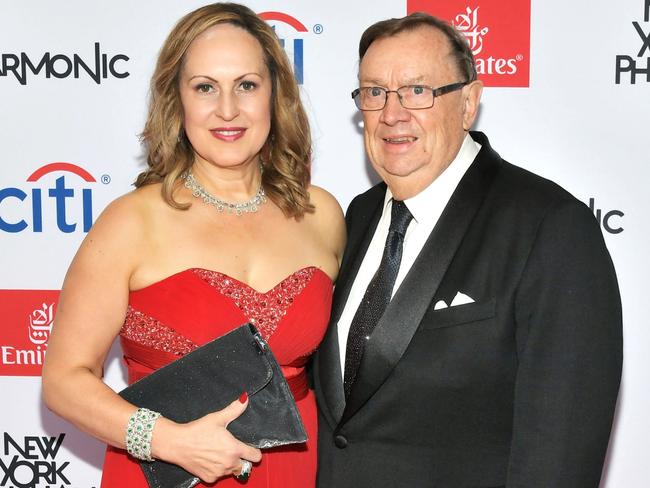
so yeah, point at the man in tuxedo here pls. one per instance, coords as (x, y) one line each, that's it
(475, 337)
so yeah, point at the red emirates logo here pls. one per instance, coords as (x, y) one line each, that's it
(498, 34)
(27, 317)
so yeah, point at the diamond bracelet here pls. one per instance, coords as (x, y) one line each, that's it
(139, 432)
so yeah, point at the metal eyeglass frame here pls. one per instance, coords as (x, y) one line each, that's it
(436, 92)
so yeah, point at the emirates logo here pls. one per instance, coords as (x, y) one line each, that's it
(467, 23)
(28, 316)
(497, 32)
(40, 324)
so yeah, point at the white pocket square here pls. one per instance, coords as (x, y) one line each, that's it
(440, 304)
(459, 299)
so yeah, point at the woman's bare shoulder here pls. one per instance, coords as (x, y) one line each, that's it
(324, 202)
(328, 218)
(125, 222)
(132, 208)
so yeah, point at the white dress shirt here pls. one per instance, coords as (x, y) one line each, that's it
(426, 208)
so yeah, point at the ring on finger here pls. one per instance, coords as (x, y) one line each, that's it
(245, 472)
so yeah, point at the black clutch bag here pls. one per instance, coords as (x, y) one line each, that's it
(210, 378)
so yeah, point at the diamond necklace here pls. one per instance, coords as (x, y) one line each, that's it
(249, 206)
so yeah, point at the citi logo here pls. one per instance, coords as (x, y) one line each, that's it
(297, 50)
(100, 67)
(627, 64)
(23, 209)
(468, 24)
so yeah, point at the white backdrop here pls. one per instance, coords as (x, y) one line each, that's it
(573, 124)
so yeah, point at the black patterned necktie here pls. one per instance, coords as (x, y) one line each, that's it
(377, 295)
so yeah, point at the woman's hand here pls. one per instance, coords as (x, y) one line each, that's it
(204, 447)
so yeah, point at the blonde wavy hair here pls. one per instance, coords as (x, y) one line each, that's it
(287, 151)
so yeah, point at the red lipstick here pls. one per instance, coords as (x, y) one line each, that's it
(228, 134)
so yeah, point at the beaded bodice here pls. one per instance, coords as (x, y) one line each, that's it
(186, 310)
(264, 310)
(145, 330)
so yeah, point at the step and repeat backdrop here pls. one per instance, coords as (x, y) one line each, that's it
(567, 96)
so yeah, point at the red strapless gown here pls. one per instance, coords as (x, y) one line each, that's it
(174, 316)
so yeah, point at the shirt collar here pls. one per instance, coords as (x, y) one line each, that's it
(440, 190)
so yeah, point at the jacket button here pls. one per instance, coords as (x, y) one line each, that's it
(340, 441)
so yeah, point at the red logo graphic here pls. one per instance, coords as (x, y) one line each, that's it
(69, 167)
(286, 18)
(498, 33)
(26, 326)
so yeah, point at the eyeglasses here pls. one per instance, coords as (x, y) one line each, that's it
(413, 97)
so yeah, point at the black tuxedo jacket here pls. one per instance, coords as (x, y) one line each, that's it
(517, 389)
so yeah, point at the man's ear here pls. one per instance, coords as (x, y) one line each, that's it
(471, 101)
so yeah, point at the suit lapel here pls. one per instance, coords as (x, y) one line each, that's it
(361, 227)
(399, 323)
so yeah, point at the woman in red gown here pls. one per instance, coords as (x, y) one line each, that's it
(223, 228)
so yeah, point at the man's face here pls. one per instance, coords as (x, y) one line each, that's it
(411, 148)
